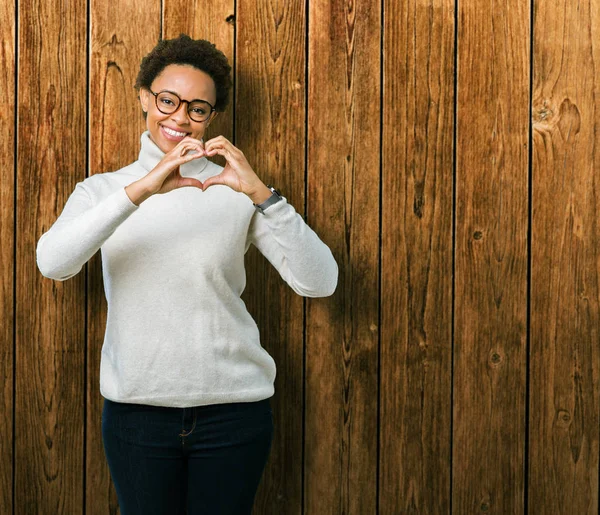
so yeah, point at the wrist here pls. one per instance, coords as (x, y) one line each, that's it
(261, 194)
(138, 192)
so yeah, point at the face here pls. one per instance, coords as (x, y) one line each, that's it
(190, 84)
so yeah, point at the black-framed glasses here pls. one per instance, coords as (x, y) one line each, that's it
(167, 102)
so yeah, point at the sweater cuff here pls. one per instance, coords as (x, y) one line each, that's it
(123, 203)
(275, 210)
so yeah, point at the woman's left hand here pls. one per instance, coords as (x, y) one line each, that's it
(237, 173)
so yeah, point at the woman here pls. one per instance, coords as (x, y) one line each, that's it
(187, 421)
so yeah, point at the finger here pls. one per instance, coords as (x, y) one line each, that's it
(188, 181)
(211, 181)
(218, 139)
(189, 139)
(187, 142)
(221, 151)
(186, 149)
(222, 143)
(190, 157)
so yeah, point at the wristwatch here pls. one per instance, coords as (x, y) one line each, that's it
(275, 197)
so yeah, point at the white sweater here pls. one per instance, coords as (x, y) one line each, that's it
(177, 332)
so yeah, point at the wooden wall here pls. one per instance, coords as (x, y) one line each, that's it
(447, 151)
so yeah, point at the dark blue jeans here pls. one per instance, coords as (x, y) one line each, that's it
(201, 460)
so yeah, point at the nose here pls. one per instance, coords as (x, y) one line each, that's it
(181, 114)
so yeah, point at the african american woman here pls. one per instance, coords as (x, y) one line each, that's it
(187, 424)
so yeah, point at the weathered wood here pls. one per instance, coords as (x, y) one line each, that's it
(343, 207)
(116, 124)
(491, 257)
(416, 261)
(269, 129)
(50, 332)
(213, 20)
(7, 249)
(565, 257)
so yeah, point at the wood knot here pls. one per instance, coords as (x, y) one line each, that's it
(563, 418)
(495, 358)
(569, 120)
(543, 113)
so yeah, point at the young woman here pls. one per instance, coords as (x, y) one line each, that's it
(187, 422)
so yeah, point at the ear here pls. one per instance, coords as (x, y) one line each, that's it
(144, 100)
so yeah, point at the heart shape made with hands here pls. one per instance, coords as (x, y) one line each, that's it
(185, 151)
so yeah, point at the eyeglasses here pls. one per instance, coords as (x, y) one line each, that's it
(168, 102)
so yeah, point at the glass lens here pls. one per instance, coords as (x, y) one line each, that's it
(166, 102)
(199, 111)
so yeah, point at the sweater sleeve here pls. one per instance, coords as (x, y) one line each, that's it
(294, 249)
(80, 231)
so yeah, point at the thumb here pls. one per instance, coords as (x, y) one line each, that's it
(215, 179)
(188, 181)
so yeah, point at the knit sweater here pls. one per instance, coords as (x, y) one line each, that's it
(177, 331)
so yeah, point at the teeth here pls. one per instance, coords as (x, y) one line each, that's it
(174, 133)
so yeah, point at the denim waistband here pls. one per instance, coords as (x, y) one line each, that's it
(227, 406)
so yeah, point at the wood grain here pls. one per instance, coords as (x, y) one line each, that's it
(269, 129)
(565, 257)
(213, 20)
(7, 249)
(343, 207)
(366, 374)
(488, 441)
(416, 261)
(50, 332)
(116, 124)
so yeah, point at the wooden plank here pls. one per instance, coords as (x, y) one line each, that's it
(213, 20)
(491, 257)
(50, 345)
(269, 129)
(343, 207)
(7, 220)
(416, 261)
(565, 260)
(116, 124)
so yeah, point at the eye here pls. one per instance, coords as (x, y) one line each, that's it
(199, 110)
(166, 101)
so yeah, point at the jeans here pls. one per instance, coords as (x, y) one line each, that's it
(200, 460)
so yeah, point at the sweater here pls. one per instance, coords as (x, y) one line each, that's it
(177, 331)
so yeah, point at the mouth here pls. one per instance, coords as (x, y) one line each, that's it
(172, 134)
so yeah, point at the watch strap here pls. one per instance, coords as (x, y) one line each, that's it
(275, 197)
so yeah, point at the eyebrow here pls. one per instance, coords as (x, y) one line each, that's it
(188, 101)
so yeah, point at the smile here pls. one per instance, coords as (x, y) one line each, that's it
(174, 133)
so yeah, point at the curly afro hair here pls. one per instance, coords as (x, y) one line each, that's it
(199, 53)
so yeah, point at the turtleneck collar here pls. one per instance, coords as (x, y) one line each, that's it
(150, 155)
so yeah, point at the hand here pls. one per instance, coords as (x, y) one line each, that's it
(165, 176)
(237, 173)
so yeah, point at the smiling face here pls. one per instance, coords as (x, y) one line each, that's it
(166, 130)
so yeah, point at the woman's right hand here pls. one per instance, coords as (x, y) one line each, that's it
(165, 176)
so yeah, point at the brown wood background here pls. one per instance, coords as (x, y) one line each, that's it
(448, 152)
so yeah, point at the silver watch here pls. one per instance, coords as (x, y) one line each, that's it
(275, 197)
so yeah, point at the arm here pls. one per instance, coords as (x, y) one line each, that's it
(80, 231)
(279, 233)
(295, 250)
(83, 227)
